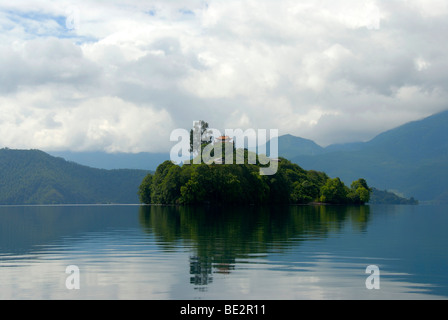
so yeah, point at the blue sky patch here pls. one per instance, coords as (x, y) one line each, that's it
(151, 12)
(30, 20)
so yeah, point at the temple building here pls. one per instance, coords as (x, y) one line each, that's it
(223, 139)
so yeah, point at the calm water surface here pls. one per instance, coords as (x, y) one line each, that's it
(153, 252)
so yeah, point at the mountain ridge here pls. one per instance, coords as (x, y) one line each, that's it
(35, 177)
(411, 158)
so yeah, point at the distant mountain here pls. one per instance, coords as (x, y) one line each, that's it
(35, 177)
(290, 146)
(416, 141)
(411, 159)
(104, 160)
(386, 197)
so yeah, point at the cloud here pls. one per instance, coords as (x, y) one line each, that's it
(106, 123)
(45, 61)
(131, 72)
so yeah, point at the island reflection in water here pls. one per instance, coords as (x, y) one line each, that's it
(163, 252)
(221, 236)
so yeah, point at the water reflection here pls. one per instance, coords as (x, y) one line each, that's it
(154, 252)
(23, 229)
(219, 236)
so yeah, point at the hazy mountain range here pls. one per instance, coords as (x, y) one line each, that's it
(411, 160)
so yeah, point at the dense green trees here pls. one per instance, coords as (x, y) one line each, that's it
(360, 191)
(144, 191)
(242, 184)
(334, 191)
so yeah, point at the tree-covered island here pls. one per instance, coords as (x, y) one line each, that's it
(211, 183)
(226, 175)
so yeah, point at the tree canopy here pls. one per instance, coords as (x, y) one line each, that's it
(242, 184)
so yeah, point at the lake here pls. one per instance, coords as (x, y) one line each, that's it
(238, 253)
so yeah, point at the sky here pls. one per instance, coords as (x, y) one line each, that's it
(120, 76)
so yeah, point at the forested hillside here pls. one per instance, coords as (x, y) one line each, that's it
(34, 177)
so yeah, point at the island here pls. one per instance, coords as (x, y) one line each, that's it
(241, 184)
